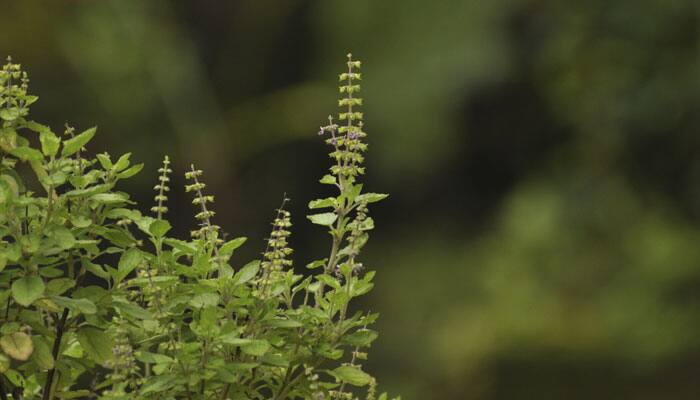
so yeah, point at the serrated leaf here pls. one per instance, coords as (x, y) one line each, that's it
(323, 203)
(9, 114)
(256, 347)
(129, 260)
(122, 162)
(159, 228)
(362, 338)
(17, 345)
(92, 190)
(57, 287)
(74, 144)
(325, 219)
(96, 343)
(42, 353)
(159, 383)
(204, 300)
(283, 323)
(74, 394)
(105, 161)
(233, 339)
(130, 172)
(27, 289)
(248, 272)
(232, 245)
(83, 306)
(132, 310)
(110, 198)
(316, 264)
(63, 237)
(49, 141)
(352, 375)
(4, 363)
(371, 197)
(26, 153)
(328, 180)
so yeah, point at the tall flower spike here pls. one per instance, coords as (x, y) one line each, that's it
(162, 188)
(207, 230)
(346, 138)
(275, 260)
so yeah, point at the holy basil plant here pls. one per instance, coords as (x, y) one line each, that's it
(97, 300)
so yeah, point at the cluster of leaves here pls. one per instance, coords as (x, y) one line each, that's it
(98, 301)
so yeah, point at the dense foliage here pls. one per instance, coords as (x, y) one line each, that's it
(98, 301)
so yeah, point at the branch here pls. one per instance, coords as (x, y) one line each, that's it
(60, 326)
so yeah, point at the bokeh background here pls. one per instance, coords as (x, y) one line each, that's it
(542, 238)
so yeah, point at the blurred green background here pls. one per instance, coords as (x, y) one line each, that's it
(542, 240)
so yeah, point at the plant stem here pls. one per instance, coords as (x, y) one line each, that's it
(3, 395)
(60, 326)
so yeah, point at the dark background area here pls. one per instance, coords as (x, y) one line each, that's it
(542, 238)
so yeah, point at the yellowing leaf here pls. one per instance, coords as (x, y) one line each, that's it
(17, 345)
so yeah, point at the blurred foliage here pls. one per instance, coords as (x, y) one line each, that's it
(541, 155)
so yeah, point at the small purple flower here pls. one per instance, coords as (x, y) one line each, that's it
(353, 135)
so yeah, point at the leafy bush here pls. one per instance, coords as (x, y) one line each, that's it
(97, 301)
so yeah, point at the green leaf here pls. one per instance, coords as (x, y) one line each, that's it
(129, 260)
(362, 338)
(80, 221)
(42, 353)
(9, 114)
(256, 347)
(231, 245)
(83, 306)
(63, 237)
(73, 145)
(233, 339)
(122, 162)
(159, 228)
(95, 269)
(325, 219)
(27, 289)
(353, 191)
(74, 394)
(110, 198)
(328, 280)
(283, 323)
(105, 161)
(276, 360)
(49, 141)
(248, 272)
(159, 383)
(17, 345)
(328, 180)
(352, 375)
(204, 300)
(57, 287)
(370, 197)
(323, 203)
(132, 310)
(96, 343)
(153, 358)
(25, 153)
(4, 363)
(101, 188)
(316, 264)
(130, 172)
(181, 245)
